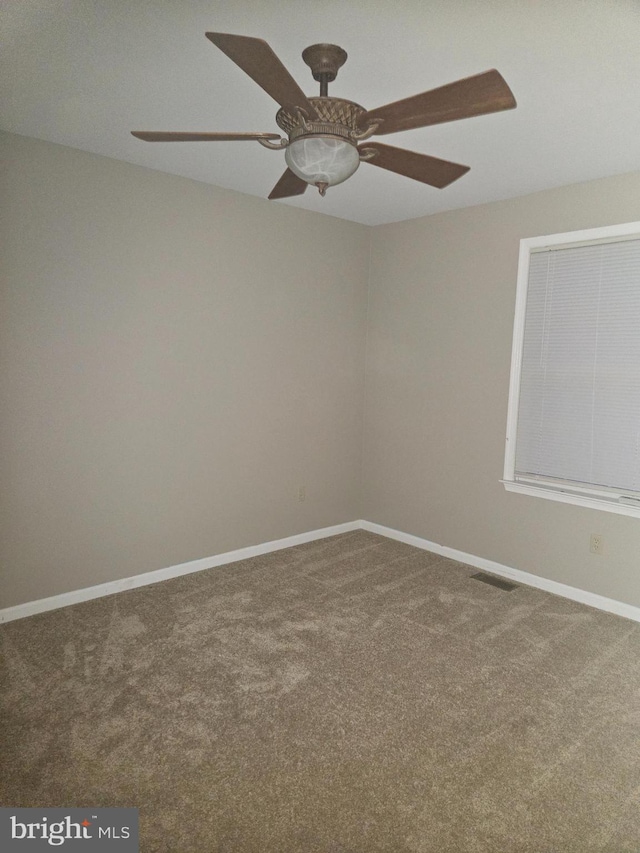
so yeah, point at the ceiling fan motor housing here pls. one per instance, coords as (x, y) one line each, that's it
(337, 118)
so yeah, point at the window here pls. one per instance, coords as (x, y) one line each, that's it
(573, 431)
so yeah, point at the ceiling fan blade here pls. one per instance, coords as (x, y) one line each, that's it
(473, 96)
(177, 136)
(288, 185)
(256, 59)
(420, 167)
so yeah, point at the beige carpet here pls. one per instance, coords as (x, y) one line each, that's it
(345, 696)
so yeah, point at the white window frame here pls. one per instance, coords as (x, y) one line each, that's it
(610, 500)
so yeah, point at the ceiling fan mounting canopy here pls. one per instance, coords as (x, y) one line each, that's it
(324, 60)
(323, 134)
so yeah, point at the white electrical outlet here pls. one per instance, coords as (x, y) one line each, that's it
(302, 493)
(595, 543)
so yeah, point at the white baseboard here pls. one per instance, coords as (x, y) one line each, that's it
(30, 608)
(591, 598)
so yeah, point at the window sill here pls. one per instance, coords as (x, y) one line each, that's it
(569, 497)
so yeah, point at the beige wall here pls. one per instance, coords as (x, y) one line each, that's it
(176, 361)
(442, 297)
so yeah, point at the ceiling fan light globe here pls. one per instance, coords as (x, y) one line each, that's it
(322, 159)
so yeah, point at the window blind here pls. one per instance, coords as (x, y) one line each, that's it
(579, 404)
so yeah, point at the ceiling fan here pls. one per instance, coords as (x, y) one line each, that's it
(324, 135)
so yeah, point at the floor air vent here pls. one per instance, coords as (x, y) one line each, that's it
(507, 586)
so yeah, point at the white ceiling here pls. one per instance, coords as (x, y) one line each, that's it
(85, 72)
